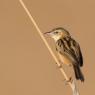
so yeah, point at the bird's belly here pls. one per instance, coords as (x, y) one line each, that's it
(65, 59)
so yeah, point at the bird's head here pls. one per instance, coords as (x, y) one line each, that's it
(58, 33)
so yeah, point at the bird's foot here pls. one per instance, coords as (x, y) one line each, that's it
(70, 80)
(59, 66)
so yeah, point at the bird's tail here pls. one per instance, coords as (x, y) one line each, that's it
(78, 73)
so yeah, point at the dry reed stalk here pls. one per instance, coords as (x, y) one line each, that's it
(72, 85)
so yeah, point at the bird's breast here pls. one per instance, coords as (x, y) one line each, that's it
(64, 59)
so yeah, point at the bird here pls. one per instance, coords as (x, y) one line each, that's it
(68, 50)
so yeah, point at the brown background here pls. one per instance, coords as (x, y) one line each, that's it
(26, 66)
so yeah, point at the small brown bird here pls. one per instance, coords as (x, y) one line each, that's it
(68, 50)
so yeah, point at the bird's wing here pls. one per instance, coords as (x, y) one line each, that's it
(71, 48)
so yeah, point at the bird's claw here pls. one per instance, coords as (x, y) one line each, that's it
(70, 80)
(59, 66)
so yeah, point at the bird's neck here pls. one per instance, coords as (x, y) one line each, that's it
(56, 38)
(61, 37)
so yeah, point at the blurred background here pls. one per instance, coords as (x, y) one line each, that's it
(26, 66)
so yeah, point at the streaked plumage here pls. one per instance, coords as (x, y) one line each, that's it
(68, 50)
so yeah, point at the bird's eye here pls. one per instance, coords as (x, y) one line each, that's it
(56, 32)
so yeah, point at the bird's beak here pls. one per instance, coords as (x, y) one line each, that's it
(47, 32)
